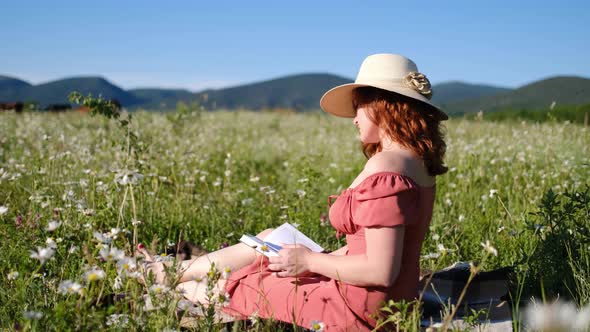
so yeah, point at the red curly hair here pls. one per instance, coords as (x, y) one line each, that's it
(408, 122)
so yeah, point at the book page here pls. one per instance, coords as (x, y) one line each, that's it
(288, 234)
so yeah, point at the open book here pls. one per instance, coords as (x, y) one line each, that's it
(284, 234)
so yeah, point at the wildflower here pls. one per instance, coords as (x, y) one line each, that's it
(316, 326)
(223, 299)
(126, 264)
(114, 233)
(247, 201)
(159, 289)
(461, 218)
(18, 221)
(323, 219)
(52, 225)
(3, 210)
(227, 173)
(72, 249)
(51, 243)
(556, 316)
(87, 212)
(104, 238)
(118, 283)
(128, 177)
(69, 287)
(33, 314)
(226, 272)
(119, 320)
(296, 225)
(112, 253)
(254, 179)
(254, 318)
(303, 180)
(42, 254)
(441, 248)
(488, 247)
(435, 237)
(493, 192)
(94, 274)
(301, 193)
(12, 275)
(433, 255)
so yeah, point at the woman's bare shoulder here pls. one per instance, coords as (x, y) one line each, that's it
(402, 163)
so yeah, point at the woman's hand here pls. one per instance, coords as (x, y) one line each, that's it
(292, 261)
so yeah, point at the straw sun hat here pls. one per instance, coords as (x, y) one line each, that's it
(391, 72)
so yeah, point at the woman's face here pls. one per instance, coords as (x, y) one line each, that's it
(368, 131)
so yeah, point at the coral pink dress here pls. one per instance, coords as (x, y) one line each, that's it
(382, 199)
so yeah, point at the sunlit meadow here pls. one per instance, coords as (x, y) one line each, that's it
(74, 201)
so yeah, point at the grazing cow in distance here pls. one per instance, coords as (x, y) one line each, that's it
(58, 107)
(16, 106)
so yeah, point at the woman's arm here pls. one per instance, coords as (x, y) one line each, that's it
(378, 267)
(340, 251)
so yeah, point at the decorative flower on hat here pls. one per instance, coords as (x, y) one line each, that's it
(419, 82)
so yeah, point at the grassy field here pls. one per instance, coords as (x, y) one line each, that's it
(70, 183)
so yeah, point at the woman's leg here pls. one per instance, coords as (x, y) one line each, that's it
(196, 291)
(233, 257)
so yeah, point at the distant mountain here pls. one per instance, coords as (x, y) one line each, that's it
(153, 98)
(58, 91)
(453, 91)
(13, 89)
(564, 90)
(299, 92)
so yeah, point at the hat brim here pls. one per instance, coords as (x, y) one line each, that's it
(338, 100)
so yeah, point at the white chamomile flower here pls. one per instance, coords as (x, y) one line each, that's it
(488, 247)
(316, 326)
(112, 253)
(52, 225)
(94, 274)
(159, 289)
(42, 254)
(128, 177)
(442, 249)
(104, 238)
(50, 242)
(226, 272)
(67, 287)
(493, 192)
(33, 315)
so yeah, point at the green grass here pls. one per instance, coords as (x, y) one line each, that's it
(210, 177)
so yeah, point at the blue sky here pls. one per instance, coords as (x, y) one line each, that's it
(197, 44)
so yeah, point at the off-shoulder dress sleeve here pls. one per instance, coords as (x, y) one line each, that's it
(385, 200)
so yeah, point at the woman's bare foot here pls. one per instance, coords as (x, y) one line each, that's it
(153, 267)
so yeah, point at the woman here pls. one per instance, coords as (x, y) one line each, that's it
(384, 214)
